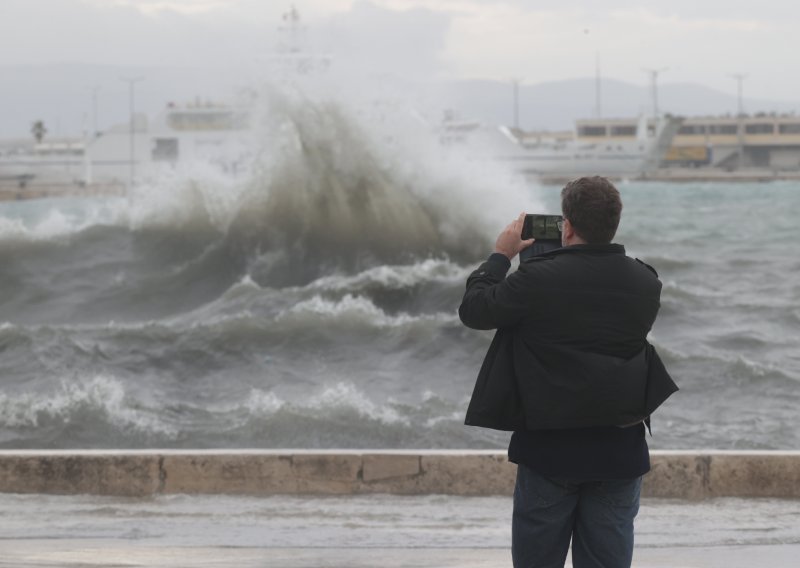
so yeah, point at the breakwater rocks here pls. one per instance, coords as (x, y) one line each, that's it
(674, 474)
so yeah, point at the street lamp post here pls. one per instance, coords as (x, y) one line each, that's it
(95, 90)
(515, 84)
(131, 83)
(597, 86)
(740, 77)
(89, 138)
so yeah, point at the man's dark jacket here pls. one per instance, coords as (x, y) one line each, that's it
(571, 348)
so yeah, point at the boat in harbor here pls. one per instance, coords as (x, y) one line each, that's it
(542, 155)
(215, 134)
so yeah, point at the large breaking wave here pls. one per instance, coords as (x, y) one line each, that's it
(312, 302)
(324, 196)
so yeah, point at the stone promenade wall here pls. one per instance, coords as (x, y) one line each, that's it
(684, 475)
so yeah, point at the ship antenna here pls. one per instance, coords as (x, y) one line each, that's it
(654, 87)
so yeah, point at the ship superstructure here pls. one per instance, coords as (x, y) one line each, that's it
(543, 155)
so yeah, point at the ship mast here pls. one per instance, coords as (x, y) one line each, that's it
(292, 54)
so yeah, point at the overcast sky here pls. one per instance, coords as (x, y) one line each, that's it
(697, 41)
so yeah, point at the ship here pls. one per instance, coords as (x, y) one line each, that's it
(545, 155)
(212, 133)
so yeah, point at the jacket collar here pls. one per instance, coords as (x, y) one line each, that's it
(610, 248)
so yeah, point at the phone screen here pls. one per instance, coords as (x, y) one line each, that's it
(541, 227)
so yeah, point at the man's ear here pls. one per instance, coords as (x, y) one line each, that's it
(568, 231)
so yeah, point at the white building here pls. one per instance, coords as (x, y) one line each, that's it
(127, 153)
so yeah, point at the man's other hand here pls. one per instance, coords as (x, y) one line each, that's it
(510, 242)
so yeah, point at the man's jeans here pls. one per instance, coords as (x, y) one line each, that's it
(598, 515)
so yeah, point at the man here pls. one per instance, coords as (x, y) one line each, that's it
(570, 371)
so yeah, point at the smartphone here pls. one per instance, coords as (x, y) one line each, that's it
(543, 228)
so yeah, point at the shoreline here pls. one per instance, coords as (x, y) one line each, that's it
(31, 191)
(685, 176)
(56, 190)
(690, 475)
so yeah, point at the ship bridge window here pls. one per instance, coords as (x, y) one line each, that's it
(623, 131)
(722, 129)
(222, 120)
(165, 150)
(592, 131)
(762, 128)
(789, 128)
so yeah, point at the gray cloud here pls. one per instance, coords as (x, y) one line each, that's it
(366, 35)
(118, 34)
(377, 39)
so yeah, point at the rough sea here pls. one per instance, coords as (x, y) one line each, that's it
(312, 303)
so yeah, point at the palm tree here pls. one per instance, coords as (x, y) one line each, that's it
(38, 130)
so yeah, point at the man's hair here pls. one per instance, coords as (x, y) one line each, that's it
(593, 207)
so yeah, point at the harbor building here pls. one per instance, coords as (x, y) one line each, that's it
(764, 141)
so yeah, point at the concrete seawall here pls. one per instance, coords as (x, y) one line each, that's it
(674, 474)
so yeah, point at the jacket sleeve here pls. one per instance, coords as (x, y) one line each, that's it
(491, 300)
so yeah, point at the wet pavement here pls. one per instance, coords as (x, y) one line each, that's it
(363, 531)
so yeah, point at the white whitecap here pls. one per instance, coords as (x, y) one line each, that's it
(394, 277)
(345, 395)
(104, 393)
(260, 403)
(357, 309)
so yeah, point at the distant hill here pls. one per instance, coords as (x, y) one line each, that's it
(555, 105)
(61, 95)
